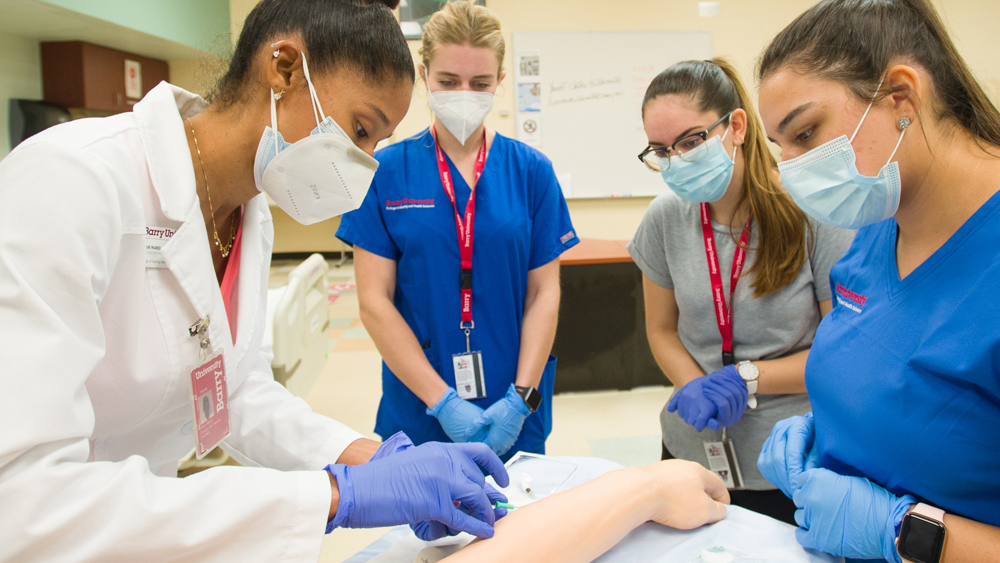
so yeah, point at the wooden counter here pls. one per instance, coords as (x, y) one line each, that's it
(601, 341)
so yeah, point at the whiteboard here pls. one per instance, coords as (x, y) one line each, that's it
(578, 99)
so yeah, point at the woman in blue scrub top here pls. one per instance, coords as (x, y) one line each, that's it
(883, 127)
(410, 269)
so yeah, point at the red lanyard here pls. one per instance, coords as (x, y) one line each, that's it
(723, 314)
(466, 229)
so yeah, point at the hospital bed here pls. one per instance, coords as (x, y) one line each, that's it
(297, 322)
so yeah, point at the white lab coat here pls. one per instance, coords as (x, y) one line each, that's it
(95, 406)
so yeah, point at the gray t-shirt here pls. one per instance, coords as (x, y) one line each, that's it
(669, 248)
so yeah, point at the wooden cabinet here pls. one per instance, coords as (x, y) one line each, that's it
(76, 74)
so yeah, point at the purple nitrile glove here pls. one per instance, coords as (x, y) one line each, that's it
(719, 397)
(431, 530)
(420, 484)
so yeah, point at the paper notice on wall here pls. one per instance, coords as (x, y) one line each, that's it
(565, 182)
(529, 128)
(133, 79)
(528, 66)
(529, 96)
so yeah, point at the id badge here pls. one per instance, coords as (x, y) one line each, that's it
(210, 399)
(470, 383)
(722, 461)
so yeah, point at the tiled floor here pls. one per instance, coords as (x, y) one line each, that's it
(620, 426)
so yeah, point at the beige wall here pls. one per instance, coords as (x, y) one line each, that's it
(20, 77)
(740, 33)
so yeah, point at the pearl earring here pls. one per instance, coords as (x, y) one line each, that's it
(279, 94)
(903, 122)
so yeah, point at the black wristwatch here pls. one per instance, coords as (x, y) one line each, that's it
(530, 396)
(922, 534)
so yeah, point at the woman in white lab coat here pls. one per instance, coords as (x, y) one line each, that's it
(136, 247)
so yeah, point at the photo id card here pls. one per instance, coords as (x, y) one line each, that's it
(722, 461)
(470, 383)
(211, 404)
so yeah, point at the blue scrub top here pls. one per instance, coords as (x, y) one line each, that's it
(522, 222)
(904, 375)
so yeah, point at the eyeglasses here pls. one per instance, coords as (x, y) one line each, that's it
(658, 159)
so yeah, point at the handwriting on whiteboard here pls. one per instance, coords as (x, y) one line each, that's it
(592, 89)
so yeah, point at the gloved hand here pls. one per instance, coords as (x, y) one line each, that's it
(396, 443)
(430, 531)
(789, 451)
(505, 419)
(459, 418)
(716, 400)
(848, 516)
(421, 484)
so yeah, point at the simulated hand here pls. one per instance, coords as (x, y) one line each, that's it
(505, 419)
(715, 401)
(426, 483)
(847, 516)
(691, 495)
(459, 418)
(789, 451)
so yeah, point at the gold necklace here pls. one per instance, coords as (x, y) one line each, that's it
(223, 248)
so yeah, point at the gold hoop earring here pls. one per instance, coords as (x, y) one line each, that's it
(279, 95)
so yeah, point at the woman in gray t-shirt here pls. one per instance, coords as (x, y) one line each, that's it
(736, 359)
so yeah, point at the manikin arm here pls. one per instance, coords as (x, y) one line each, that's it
(582, 523)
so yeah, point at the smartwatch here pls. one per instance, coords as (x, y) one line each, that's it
(921, 537)
(530, 396)
(749, 373)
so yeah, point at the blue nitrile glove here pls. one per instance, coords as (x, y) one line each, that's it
(421, 484)
(429, 531)
(789, 451)
(848, 516)
(459, 418)
(505, 419)
(716, 397)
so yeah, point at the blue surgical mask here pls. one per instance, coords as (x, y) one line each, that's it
(826, 184)
(702, 175)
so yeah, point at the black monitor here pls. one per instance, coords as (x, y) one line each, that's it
(28, 117)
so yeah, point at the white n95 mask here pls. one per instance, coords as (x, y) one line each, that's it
(826, 184)
(316, 178)
(460, 111)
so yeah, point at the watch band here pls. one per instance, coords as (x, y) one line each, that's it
(929, 511)
(750, 383)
